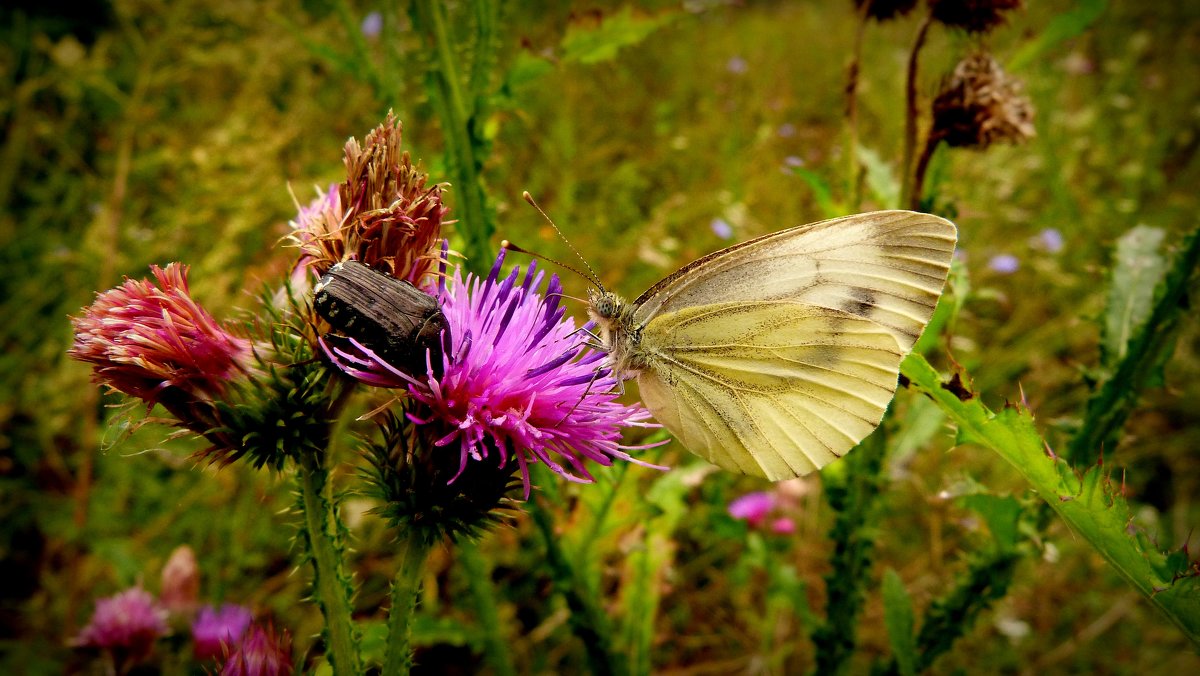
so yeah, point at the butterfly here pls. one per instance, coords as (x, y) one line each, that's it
(778, 355)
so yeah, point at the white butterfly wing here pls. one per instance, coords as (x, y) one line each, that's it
(887, 266)
(776, 356)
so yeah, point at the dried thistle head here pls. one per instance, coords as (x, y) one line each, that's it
(981, 105)
(973, 16)
(885, 10)
(383, 215)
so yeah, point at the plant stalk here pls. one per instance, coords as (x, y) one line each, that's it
(407, 583)
(911, 114)
(330, 588)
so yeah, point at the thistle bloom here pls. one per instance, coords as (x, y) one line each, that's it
(516, 381)
(154, 342)
(218, 632)
(127, 623)
(981, 105)
(260, 654)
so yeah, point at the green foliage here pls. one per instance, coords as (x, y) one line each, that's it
(1142, 319)
(591, 43)
(898, 618)
(1089, 502)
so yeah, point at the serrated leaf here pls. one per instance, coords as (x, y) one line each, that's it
(589, 42)
(1138, 268)
(881, 180)
(1090, 504)
(898, 618)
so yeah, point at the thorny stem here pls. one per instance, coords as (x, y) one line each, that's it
(910, 111)
(412, 555)
(458, 117)
(328, 573)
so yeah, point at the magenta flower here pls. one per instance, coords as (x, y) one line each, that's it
(753, 507)
(218, 632)
(147, 340)
(516, 381)
(127, 624)
(260, 654)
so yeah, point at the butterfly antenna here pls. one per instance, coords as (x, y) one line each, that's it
(590, 275)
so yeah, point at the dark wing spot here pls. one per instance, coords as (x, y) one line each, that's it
(860, 303)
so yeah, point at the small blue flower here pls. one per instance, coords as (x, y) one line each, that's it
(737, 65)
(1005, 264)
(721, 228)
(372, 25)
(786, 130)
(1049, 240)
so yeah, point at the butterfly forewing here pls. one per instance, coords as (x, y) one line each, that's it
(886, 266)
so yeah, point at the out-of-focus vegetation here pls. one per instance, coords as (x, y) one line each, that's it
(149, 132)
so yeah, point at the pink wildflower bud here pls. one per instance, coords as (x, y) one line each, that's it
(752, 507)
(260, 654)
(181, 582)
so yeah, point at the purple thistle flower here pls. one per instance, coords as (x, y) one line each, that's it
(260, 654)
(516, 380)
(218, 632)
(752, 507)
(127, 623)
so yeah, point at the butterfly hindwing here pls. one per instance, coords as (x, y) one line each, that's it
(768, 388)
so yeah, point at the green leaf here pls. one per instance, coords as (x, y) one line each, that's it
(881, 180)
(898, 618)
(1000, 512)
(1151, 343)
(830, 208)
(1089, 504)
(589, 42)
(1139, 268)
(1061, 28)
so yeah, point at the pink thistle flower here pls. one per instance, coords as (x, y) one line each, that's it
(515, 381)
(127, 624)
(752, 507)
(149, 341)
(260, 654)
(218, 632)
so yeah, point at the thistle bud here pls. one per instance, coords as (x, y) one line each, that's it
(981, 105)
(181, 582)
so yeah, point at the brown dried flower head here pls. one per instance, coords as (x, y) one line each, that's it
(973, 16)
(981, 105)
(885, 10)
(383, 215)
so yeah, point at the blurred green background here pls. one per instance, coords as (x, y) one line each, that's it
(141, 132)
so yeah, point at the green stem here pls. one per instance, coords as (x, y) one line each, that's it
(412, 555)
(587, 618)
(479, 581)
(853, 173)
(330, 584)
(459, 118)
